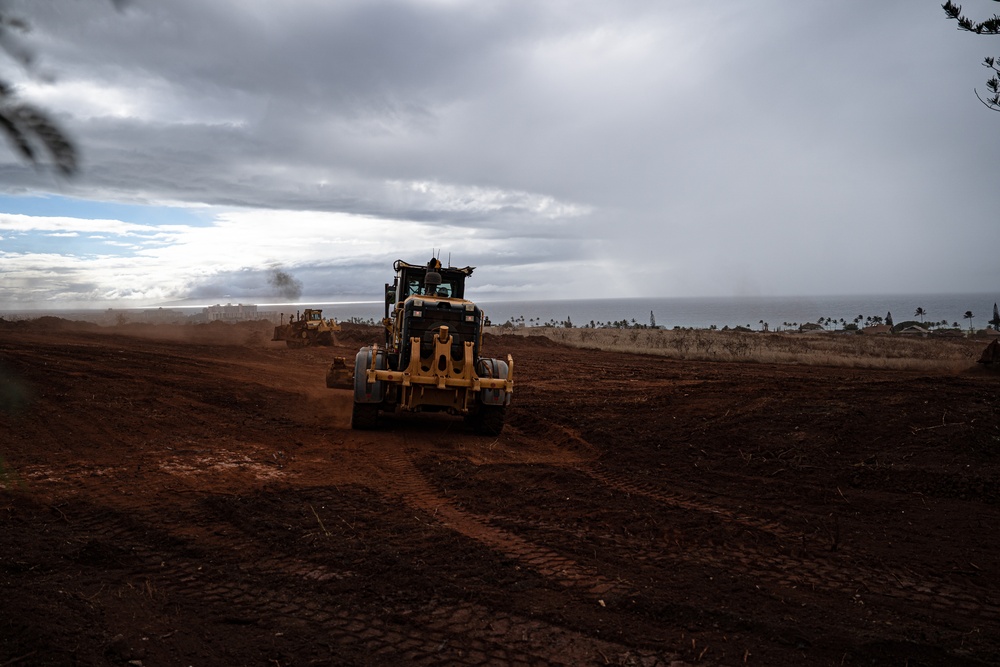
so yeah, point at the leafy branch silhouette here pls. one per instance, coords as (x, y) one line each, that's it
(30, 130)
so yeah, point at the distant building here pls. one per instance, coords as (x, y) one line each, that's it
(238, 313)
(877, 329)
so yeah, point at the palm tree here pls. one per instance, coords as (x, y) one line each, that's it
(968, 315)
(920, 312)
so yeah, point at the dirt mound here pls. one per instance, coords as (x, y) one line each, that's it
(515, 340)
(47, 323)
(253, 333)
(360, 334)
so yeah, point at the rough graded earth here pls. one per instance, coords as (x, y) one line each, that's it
(194, 496)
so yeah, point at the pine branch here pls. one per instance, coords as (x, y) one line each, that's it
(993, 84)
(990, 26)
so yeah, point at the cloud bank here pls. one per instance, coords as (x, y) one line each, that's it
(568, 150)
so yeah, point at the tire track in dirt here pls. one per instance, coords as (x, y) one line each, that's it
(446, 633)
(818, 571)
(647, 489)
(627, 485)
(459, 633)
(790, 572)
(419, 493)
(787, 571)
(681, 501)
(449, 632)
(857, 582)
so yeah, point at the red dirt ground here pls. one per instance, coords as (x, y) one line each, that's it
(194, 496)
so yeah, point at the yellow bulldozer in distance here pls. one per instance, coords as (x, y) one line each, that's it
(432, 358)
(305, 329)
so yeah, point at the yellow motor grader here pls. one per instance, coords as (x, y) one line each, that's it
(432, 357)
(305, 329)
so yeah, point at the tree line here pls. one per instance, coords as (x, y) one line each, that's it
(842, 323)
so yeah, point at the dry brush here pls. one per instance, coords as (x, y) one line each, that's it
(818, 349)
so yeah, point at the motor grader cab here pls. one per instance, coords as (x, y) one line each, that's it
(305, 329)
(432, 357)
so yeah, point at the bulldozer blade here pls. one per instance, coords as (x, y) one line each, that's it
(339, 375)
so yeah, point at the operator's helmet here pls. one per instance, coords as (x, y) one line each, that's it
(432, 280)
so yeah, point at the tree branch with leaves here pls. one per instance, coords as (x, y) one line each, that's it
(30, 130)
(990, 26)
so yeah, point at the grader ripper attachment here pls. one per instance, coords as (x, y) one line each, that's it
(432, 357)
(306, 329)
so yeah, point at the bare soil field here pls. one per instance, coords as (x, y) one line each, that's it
(195, 496)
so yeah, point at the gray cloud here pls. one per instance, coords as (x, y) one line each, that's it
(677, 148)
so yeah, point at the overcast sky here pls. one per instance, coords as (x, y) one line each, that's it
(566, 149)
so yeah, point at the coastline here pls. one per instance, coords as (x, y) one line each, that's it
(777, 313)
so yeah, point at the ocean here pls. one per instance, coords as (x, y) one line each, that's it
(721, 311)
